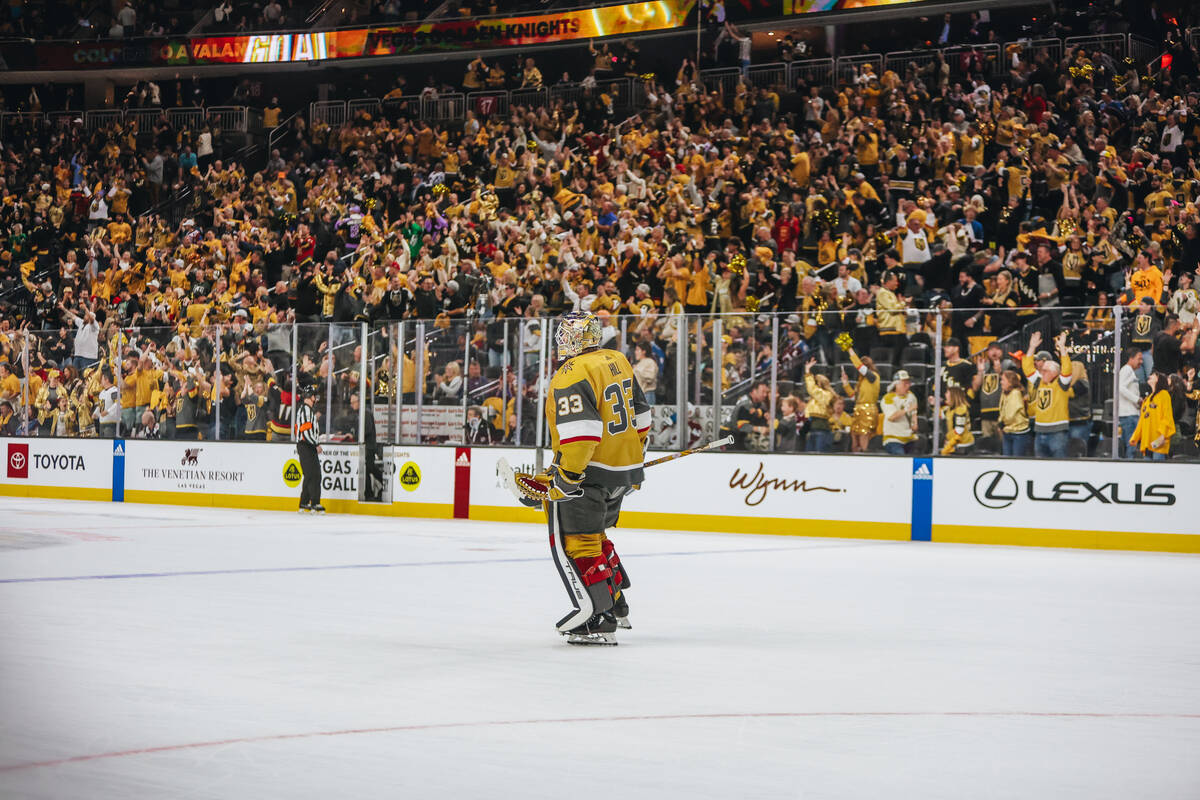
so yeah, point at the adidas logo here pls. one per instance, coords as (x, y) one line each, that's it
(923, 473)
(118, 450)
(463, 461)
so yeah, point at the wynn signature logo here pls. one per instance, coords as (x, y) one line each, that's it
(758, 484)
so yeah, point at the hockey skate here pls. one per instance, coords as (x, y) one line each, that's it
(599, 630)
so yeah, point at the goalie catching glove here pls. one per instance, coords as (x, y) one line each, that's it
(548, 487)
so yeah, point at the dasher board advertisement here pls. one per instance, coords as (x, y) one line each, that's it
(860, 497)
(164, 471)
(74, 463)
(1098, 503)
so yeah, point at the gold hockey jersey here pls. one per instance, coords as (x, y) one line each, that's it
(599, 419)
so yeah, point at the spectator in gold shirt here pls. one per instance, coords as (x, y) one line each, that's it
(820, 408)
(1156, 423)
(1014, 416)
(866, 401)
(889, 315)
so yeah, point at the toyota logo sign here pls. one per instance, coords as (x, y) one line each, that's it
(18, 460)
(996, 489)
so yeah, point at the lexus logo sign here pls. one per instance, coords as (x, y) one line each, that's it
(996, 489)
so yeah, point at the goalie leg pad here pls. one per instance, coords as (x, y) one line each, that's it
(587, 579)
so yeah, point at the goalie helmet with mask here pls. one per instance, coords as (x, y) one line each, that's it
(577, 332)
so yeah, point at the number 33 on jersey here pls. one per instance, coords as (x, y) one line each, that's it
(599, 418)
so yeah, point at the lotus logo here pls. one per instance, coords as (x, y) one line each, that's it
(996, 489)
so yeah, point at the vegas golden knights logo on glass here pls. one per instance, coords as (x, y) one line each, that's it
(991, 382)
(1043, 397)
(1142, 324)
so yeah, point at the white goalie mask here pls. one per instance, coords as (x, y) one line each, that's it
(577, 331)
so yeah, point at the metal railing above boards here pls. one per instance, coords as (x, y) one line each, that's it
(629, 94)
(837, 379)
(236, 119)
(452, 107)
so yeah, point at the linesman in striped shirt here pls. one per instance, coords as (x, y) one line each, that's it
(307, 437)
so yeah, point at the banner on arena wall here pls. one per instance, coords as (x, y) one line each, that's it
(1122, 504)
(468, 34)
(770, 493)
(793, 7)
(489, 499)
(157, 469)
(1090, 504)
(422, 476)
(441, 423)
(445, 424)
(215, 472)
(447, 35)
(739, 492)
(81, 468)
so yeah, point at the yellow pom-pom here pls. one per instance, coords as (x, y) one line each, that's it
(844, 340)
(439, 189)
(737, 264)
(752, 303)
(647, 76)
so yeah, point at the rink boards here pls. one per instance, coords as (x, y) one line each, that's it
(1091, 504)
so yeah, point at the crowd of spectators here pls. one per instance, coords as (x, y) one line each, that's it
(248, 16)
(81, 19)
(831, 231)
(133, 19)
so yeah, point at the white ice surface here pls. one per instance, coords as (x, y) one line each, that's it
(758, 667)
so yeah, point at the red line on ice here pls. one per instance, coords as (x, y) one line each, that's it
(634, 718)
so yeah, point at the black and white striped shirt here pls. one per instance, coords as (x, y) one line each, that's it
(306, 424)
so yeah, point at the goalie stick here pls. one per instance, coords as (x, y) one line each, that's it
(710, 446)
(513, 481)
